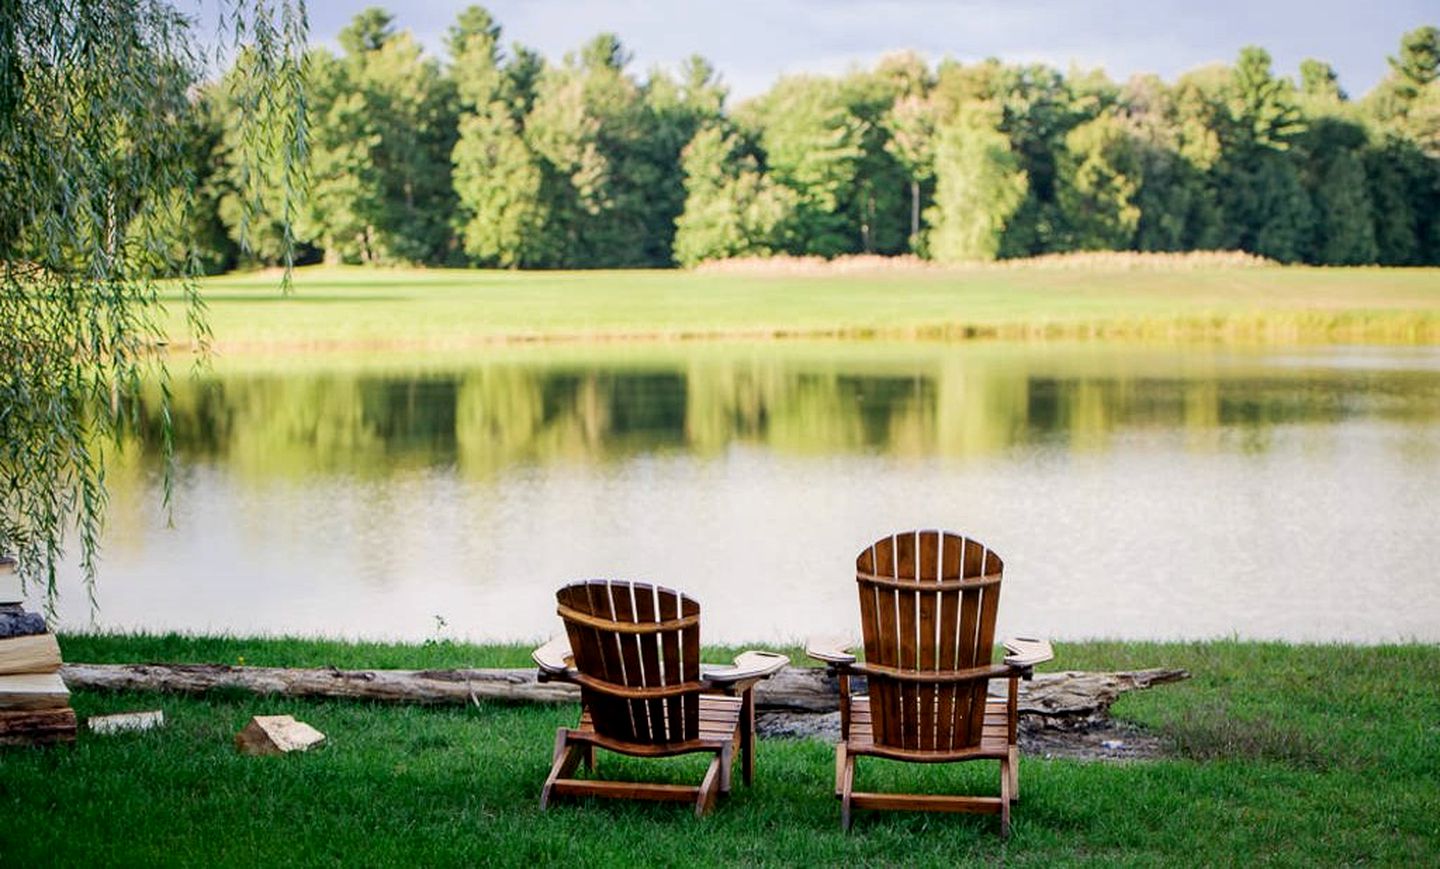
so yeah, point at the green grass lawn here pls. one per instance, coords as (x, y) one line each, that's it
(1300, 755)
(354, 308)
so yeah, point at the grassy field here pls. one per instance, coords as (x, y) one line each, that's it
(1297, 755)
(354, 308)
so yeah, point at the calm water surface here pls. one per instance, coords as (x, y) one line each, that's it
(1134, 492)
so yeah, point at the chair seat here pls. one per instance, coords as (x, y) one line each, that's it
(994, 735)
(719, 723)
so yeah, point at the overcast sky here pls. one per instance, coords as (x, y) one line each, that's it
(753, 42)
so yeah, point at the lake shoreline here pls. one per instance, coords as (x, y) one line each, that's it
(1260, 329)
(440, 652)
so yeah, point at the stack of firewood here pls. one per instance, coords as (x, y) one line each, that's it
(34, 702)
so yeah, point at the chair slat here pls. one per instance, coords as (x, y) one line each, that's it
(906, 610)
(928, 570)
(974, 559)
(650, 668)
(984, 650)
(623, 608)
(969, 621)
(951, 551)
(888, 649)
(865, 563)
(690, 666)
(870, 619)
(584, 640)
(612, 717)
(667, 605)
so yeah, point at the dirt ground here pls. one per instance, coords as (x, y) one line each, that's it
(1099, 739)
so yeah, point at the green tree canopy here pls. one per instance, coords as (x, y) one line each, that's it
(979, 187)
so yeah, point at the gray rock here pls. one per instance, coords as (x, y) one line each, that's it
(20, 624)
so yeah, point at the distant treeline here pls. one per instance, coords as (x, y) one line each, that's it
(498, 157)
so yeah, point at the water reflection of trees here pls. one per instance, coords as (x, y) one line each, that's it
(489, 417)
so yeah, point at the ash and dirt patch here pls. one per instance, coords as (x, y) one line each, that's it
(1092, 738)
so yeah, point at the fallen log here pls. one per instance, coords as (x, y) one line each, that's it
(1055, 697)
(395, 686)
(1077, 698)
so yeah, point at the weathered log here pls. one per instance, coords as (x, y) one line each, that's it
(30, 691)
(1072, 695)
(37, 727)
(399, 686)
(36, 653)
(1079, 697)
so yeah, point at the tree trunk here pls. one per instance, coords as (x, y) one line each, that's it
(914, 213)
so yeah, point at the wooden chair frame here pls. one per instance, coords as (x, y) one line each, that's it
(928, 601)
(644, 692)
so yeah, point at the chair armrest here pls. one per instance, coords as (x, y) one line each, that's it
(832, 650)
(1027, 651)
(748, 665)
(554, 657)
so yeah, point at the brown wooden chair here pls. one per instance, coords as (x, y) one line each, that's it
(634, 650)
(927, 612)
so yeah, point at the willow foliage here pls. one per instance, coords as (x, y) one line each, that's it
(94, 186)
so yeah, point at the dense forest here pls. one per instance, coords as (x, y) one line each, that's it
(495, 156)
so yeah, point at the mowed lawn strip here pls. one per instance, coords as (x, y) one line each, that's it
(337, 308)
(1314, 755)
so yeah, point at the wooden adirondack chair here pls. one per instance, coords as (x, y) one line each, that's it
(927, 611)
(634, 650)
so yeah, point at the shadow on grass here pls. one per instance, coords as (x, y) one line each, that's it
(1213, 732)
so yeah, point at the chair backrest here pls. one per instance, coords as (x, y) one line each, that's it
(627, 636)
(927, 604)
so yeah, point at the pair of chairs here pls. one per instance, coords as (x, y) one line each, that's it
(928, 601)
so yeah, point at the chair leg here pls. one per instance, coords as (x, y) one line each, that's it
(587, 755)
(747, 738)
(1006, 796)
(727, 769)
(844, 783)
(567, 757)
(1014, 774)
(705, 799)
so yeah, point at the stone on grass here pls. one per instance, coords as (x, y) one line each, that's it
(126, 721)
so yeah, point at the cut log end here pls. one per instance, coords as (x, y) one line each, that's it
(276, 734)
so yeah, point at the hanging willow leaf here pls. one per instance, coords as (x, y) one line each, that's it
(94, 187)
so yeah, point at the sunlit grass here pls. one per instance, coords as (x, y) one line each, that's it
(361, 309)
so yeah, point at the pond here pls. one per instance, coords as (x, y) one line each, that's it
(1138, 492)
